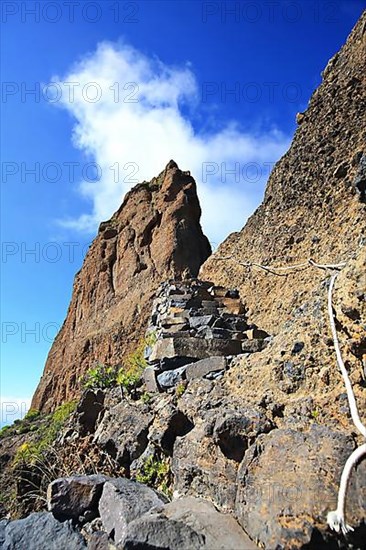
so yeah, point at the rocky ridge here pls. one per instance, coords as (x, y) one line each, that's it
(257, 451)
(155, 235)
(314, 204)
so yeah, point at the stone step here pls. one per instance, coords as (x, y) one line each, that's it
(205, 366)
(199, 369)
(202, 320)
(170, 321)
(198, 348)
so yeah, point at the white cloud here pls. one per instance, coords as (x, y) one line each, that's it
(141, 136)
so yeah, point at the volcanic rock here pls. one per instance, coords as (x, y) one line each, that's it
(71, 497)
(123, 501)
(313, 204)
(155, 235)
(39, 531)
(188, 523)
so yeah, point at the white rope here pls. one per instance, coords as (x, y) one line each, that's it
(274, 269)
(351, 398)
(336, 519)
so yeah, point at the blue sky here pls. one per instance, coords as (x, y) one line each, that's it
(122, 87)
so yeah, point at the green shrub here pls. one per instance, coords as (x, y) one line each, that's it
(156, 473)
(21, 426)
(32, 414)
(180, 389)
(5, 431)
(129, 381)
(31, 452)
(100, 377)
(127, 377)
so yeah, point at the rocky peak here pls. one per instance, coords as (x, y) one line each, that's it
(154, 235)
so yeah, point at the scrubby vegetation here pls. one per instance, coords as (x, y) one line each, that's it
(35, 462)
(100, 377)
(156, 473)
(127, 377)
(21, 426)
(45, 434)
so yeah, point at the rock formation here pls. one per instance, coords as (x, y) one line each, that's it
(119, 513)
(198, 328)
(155, 235)
(314, 205)
(246, 456)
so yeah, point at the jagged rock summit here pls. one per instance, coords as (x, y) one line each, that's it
(155, 235)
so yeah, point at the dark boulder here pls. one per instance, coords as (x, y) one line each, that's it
(159, 533)
(88, 410)
(71, 497)
(41, 531)
(123, 501)
(122, 433)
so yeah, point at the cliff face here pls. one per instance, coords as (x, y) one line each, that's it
(155, 235)
(261, 431)
(314, 202)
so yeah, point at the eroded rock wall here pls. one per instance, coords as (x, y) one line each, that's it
(155, 235)
(314, 205)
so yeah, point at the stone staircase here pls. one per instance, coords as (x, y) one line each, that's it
(199, 328)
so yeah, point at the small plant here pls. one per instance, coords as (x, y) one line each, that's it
(128, 381)
(146, 398)
(156, 473)
(27, 453)
(100, 377)
(31, 452)
(129, 376)
(315, 414)
(180, 389)
(32, 414)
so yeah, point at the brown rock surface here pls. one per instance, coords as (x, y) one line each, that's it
(155, 235)
(288, 481)
(311, 206)
(268, 441)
